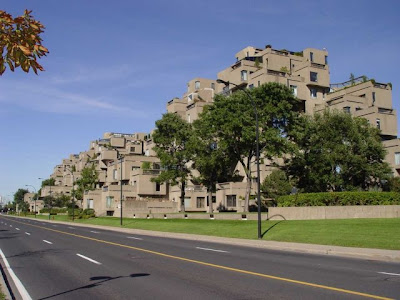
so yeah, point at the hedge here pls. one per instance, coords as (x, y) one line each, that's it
(54, 210)
(340, 199)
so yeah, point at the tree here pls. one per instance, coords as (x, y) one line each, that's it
(48, 182)
(19, 199)
(352, 79)
(20, 42)
(276, 184)
(62, 200)
(210, 159)
(171, 139)
(337, 152)
(88, 180)
(233, 124)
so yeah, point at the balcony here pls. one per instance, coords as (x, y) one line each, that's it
(108, 155)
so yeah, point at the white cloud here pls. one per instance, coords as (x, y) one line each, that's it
(46, 98)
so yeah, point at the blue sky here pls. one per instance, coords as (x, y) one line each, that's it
(113, 65)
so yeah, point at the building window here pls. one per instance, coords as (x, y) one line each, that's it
(326, 59)
(109, 200)
(294, 90)
(115, 173)
(89, 203)
(200, 202)
(147, 152)
(358, 108)
(313, 76)
(214, 200)
(158, 187)
(243, 75)
(378, 123)
(132, 149)
(197, 85)
(373, 98)
(188, 119)
(251, 86)
(213, 85)
(311, 56)
(313, 93)
(259, 83)
(397, 158)
(231, 200)
(323, 96)
(346, 109)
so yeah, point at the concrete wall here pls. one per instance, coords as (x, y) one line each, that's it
(334, 212)
(294, 213)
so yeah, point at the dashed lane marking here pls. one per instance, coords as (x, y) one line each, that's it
(89, 259)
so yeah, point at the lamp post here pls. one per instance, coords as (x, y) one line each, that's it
(119, 156)
(36, 196)
(120, 201)
(227, 83)
(73, 193)
(50, 198)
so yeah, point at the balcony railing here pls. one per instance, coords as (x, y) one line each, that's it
(151, 172)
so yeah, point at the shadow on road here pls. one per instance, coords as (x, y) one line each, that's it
(100, 280)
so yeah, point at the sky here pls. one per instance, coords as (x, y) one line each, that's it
(113, 65)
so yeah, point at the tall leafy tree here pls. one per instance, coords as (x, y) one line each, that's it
(19, 199)
(337, 152)
(172, 146)
(233, 124)
(276, 184)
(20, 42)
(87, 181)
(210, 159)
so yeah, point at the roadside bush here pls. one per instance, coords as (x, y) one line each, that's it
(85, 214)
(340, 199)
(54, 211)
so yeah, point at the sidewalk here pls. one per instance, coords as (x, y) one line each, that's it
(351, 252)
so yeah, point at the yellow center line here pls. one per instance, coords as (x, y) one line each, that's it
(325, 287)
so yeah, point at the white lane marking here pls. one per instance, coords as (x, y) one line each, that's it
(94, 231)
(10, 225)
(21, 289)
(135, 238)
(71, 227)
(89, 259)
(16, 228)
(47, 242)
(394, 274)
(27, 233)
(209, 249)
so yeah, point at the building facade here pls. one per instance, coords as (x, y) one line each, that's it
(305, 72)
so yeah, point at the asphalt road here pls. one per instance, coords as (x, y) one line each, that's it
(62, 261)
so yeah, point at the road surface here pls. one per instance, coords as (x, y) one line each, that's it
(62, 261)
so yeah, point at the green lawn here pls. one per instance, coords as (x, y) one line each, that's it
(367, 233)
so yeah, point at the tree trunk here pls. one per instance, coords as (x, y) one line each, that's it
(210, 202)
(247, 196)
(183, 196)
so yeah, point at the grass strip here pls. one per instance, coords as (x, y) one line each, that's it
(364, 233)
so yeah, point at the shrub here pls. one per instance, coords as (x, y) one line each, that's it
(340, 199)
(54, 210)
(83, 214)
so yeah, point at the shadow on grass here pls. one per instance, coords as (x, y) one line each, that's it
(269, 228)
(100, 280)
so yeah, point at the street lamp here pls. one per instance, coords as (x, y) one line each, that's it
(50, 198)
(227, 83)
(73, 193)
(36, 196)
(119, 156)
